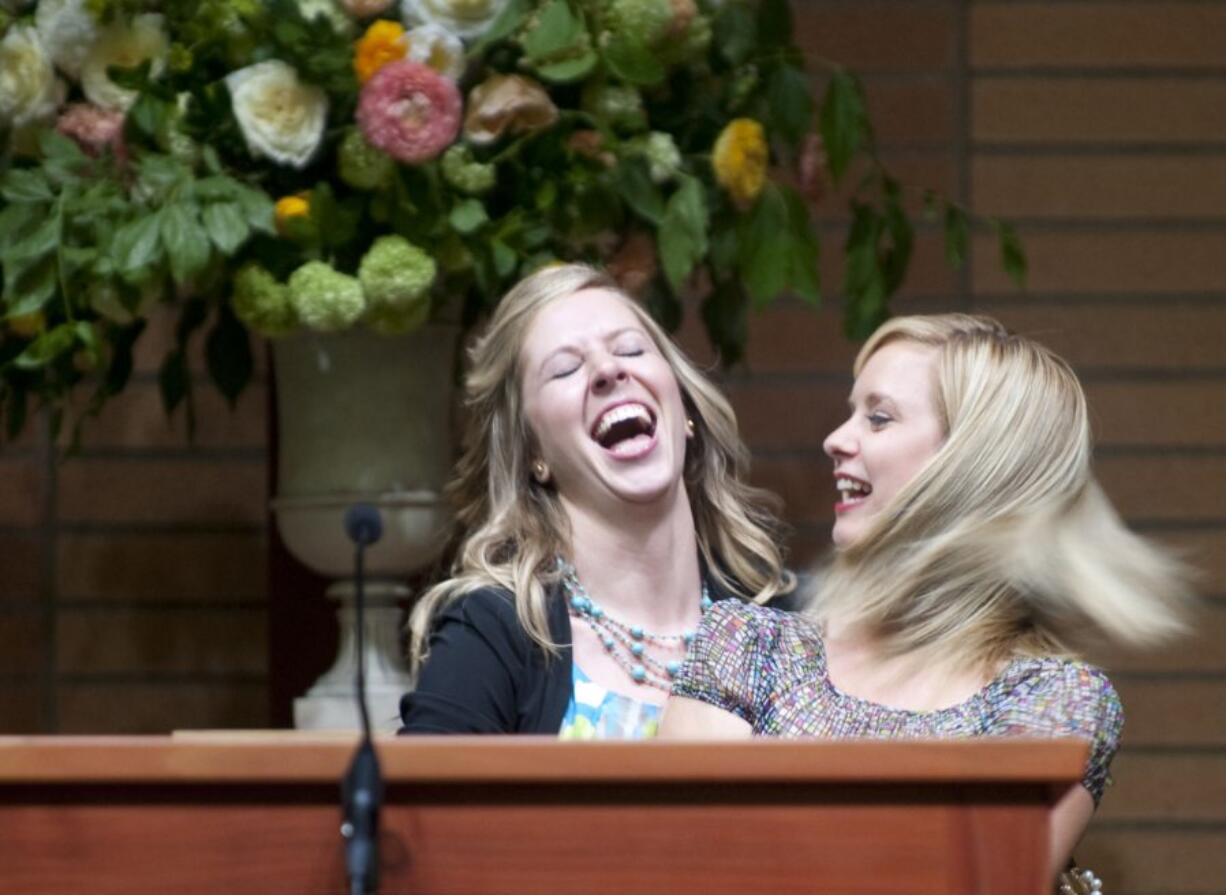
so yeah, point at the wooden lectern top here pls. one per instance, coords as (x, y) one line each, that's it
(283, 756)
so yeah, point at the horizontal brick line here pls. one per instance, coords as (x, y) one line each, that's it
(1160, 450)
(1173, 677)
(1163, 300)
(154, 679)
(1173, 751)
(1113, 224)
(201, 380)
(19, 678)
(891, 75)
(183, 454)
(196, 604)
(32, 606)
(1101, 73)
(169, 529)
(1088, 147)
(1176, 525)
(1174, 827)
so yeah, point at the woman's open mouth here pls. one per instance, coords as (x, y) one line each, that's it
(625, 430)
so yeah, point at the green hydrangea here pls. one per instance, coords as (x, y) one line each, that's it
(643, 21)
(621, 107)
(396, 276)
(663, 156)
(465, 173)
(262, 303)
(361, 165)
(325, 299)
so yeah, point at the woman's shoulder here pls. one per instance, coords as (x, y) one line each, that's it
(1059, 696)
(732, 624)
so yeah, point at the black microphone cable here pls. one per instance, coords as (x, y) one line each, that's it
(362, 788)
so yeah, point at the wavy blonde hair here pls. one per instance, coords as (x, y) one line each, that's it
(514, 527)
(1004, 544)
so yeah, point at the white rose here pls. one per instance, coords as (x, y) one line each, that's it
(435, 46)
(281, 117)
(467, 18)
(330, 10)
(29, 90)
(124, 46)
(68, 31)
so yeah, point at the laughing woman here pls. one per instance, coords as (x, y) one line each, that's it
(601, 497)
(975, 557)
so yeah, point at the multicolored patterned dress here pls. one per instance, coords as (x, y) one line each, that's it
(598, 713)
(769, 668)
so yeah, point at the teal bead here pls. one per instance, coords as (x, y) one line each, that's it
(673, 668)
(636, 632)
(596, 611)
(639, 673)
(636, 649)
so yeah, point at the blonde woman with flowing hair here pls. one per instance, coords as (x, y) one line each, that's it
(975, 558)
(601, 498)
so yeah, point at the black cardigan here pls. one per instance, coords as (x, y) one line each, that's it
(485, 674)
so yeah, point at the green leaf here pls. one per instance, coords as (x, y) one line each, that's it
(49, 345)
(172, 380)
(844, 122)
(1012, 254)
(803, 276)
(185, 240)
(228, 354)
(44, 238)
(765, 247)
(566, 71)
(863, 279)
(135, 245)
(30, 291)
(790, 104)
(120, 370)
(557, 29)
(633, 62)
(736, 32)
(507, 23)
(226, 226)
(955, 236)
(638, 190)
(683, 232)
(87, 336)
(16, 221)
(725, 316)
(63, 160)
(897, 255)
(505, 259)
(468, 216)
(25, 185)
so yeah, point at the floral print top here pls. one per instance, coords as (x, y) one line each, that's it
(598, 713)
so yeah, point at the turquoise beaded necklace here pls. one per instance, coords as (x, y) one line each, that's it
(627, 644)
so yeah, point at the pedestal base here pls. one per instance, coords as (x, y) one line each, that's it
(332, 702)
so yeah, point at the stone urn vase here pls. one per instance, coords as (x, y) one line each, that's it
(363, 417)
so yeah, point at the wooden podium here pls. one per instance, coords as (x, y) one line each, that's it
(239, 814)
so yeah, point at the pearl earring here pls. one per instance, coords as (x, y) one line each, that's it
(540, 471)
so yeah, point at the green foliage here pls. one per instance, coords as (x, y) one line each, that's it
(95, 239)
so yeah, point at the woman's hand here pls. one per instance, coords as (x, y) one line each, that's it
(1068, 821)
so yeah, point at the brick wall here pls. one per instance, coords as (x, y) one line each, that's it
(132, 578)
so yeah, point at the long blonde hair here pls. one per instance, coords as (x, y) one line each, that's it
(514, 527)
(1004, 544)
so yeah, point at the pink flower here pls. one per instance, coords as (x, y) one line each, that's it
(409, 111)
(94, 129)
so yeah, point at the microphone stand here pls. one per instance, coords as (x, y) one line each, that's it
(362, 788)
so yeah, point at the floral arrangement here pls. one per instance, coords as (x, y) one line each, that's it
(271, 165)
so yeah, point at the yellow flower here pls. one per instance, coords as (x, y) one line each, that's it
(290, 207)
(382, 43)
(740, 158)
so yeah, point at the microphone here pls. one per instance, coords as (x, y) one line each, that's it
(362, 788)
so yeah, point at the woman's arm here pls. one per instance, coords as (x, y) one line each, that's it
(1068, 821)
(691, 719)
